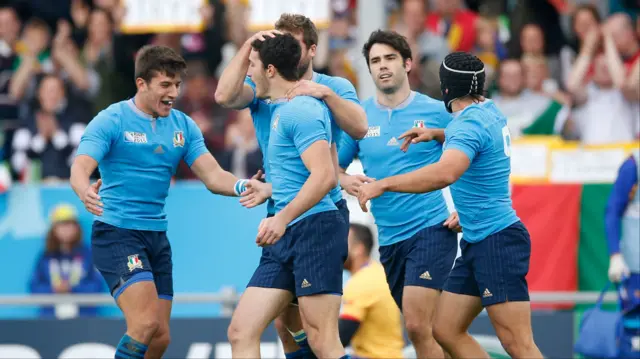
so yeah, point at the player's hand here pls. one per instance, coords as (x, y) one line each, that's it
(308, 88)
(270, 231)
(618, 269)
(453, 222)
(258, 176)
(262, 35)
(91, 199)
(415, 135)
(352, 183)
(256, 194)
(367, 192)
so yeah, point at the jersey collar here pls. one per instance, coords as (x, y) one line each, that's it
(400, 106)
(134, 108)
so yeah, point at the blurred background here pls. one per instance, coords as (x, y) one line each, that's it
(566, 73)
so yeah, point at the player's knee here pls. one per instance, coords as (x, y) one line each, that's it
(443, 334)
(145, 327)
(517, 346)
(418, 330)
(162, 339)
(238, 334)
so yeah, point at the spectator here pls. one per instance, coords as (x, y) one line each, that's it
(50, 134)
(243, 156)
(585, 19)
(9, 34)
(487, 47)
(538, 79)
(533, 44)
(97, 54)
(451, 21)
(620, 27)
(65, 266)
(33, 57)
(527, 112)
(603, 114)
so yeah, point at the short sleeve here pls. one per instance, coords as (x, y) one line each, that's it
(98, 136)
(357, 298)
(195, 146)
(347, 151)
(466, 135)
(254, 102)
(345, 89)
(306, 125)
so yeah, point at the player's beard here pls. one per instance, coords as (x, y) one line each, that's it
(303, 66)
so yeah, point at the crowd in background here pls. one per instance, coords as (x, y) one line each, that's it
(564, 67)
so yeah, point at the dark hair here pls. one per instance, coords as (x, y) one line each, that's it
(152, 60)
(37, 23)
(52, 245)
(389, 38)
(299, 24)
(363, 235)
(574, 42)
(281, 51)
(453, 76)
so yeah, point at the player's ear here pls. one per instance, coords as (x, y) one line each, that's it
(141, 84)
(408, 64)
(271, 71)
(312, 50)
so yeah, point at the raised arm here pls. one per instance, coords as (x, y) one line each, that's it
(614, 61)
(232, 91)
(576, 82)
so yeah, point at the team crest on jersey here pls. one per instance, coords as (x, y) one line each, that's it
(134, 262)
(135, 137)
(274, 124)
(418, 123)
(373, 131)
(178, 139)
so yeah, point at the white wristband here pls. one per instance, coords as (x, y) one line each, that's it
(240, 186)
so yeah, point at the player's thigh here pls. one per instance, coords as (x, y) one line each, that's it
(418, 307)
(393, 259)
(500, 265)
(319, 254)
(320, 313)
(121, 256)
(430, 256)
(512, 322)
(455, 314)
(161, 263)
(256, 309)
(141, 307)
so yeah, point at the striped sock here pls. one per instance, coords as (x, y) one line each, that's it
(301, 339)
(129, 348)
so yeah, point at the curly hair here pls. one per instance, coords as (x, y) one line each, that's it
(282, 52)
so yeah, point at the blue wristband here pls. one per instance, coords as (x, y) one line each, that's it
(240, 186)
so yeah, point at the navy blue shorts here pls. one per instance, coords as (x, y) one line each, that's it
(125, 256)
(423, 260)
(308, 259)
(495, 268)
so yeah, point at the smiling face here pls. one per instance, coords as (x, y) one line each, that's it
(258, 75)
(388, 70)
(159, 94)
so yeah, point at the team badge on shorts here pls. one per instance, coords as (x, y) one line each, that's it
(134, 262)
(418, 124)
(178, 139)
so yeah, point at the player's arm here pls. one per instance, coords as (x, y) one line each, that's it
(206, 168)
(343, 103)
(216, 179)
(310, 134)
(453, 163)
(322, 178)
(94, 145)
(348, 150)
(232, 91)
(617, 203)
(346, 110)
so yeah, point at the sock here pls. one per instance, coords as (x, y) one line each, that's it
(305, 350)
(298, 354)
(129, 348)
